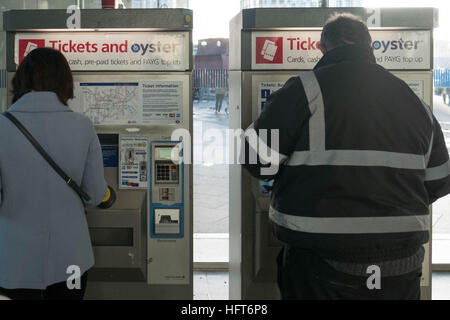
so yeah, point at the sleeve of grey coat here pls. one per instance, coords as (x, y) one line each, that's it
(437, 176)
(94, 183)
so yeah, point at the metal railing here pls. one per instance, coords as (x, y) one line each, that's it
(203, 78)
(441, 78)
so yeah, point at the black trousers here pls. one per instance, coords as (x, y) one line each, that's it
(302, 275)
(57, 291)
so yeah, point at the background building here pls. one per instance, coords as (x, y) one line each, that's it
(346, 3)
(212, 54)
(211, 62)
(298, 3)
(442, 54)
(160, 3)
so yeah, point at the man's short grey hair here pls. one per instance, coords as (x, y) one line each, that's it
(344, 28)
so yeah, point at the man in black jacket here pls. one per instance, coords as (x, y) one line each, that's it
(361, 159)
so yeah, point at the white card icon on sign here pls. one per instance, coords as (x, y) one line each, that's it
(269, 50)
(30, 47)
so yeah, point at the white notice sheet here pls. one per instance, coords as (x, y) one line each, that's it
(133, 169)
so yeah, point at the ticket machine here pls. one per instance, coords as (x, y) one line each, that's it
(132, 75)
(267, 47)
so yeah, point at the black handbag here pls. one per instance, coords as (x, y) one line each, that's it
(83, 195)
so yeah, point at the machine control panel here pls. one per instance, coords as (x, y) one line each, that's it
(167, 191)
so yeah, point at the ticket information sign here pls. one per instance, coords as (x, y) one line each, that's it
(297, 50)
(418, 86)
(112, 51)
(135, 102)
(266, 88)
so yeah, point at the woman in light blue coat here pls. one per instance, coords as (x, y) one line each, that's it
(44, 236)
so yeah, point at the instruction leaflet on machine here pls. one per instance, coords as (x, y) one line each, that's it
(124, 103)
(133, 169)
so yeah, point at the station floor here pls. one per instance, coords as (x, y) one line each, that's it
(210, 178)
(214, 286)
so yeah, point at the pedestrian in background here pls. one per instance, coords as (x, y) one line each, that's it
(220, 95)
(445, 95)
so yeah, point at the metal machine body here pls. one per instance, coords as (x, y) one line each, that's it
(136, 87)
(257, 71)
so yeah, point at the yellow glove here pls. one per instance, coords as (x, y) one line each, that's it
(109, 200)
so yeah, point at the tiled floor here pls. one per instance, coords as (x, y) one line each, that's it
(211, 247)
(210, 285)
(214, 286)
(441, 286)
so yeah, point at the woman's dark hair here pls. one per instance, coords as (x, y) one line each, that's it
(44, 69)
(344, 28)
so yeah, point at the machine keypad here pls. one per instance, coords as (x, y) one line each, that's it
(166, 173)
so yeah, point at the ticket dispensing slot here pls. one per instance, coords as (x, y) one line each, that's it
(167, 221)
(166, 203)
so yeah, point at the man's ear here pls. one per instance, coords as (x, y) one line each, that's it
(321, 48)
